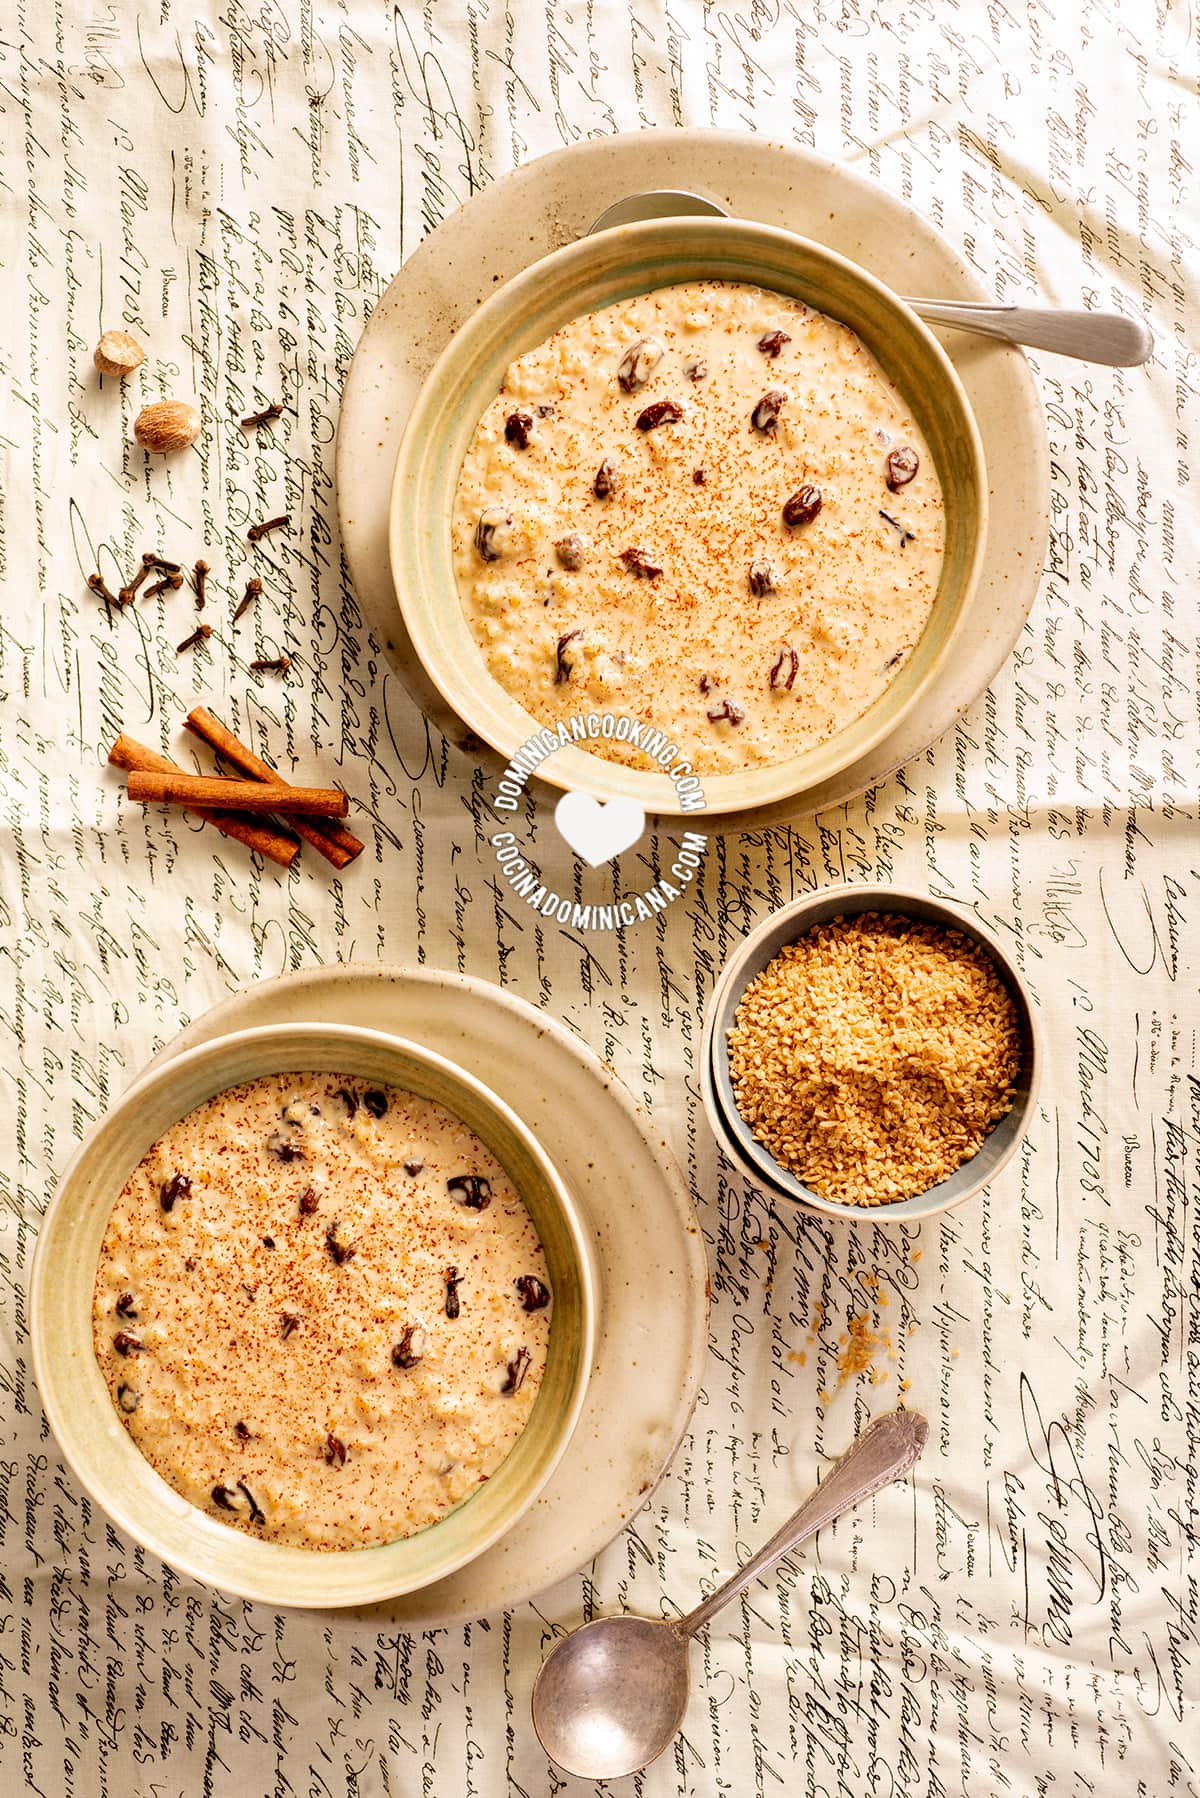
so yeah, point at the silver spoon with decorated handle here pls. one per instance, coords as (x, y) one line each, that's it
(611, 1696)
(1105, 337)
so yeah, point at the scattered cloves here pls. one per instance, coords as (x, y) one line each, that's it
(170, 583)
(258, 531)
(267, 416)
(253, 589)
(128, 592)
(102, 591)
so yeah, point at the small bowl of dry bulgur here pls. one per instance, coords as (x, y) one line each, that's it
(870, 1052)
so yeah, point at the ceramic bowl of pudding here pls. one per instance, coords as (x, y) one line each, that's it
(502, 621)
(71, 1326)
(734, 1135)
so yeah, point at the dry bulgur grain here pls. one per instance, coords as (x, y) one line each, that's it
(873, 1055)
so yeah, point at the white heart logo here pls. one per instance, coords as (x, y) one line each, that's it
(598, 831)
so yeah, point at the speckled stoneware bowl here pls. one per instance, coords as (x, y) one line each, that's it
(584, 277)
(101, 1452)
(751, 957)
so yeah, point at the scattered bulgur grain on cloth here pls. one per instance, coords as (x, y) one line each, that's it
(873, 1055)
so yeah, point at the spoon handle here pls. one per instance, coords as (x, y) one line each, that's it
(1106, 337)
(886, 1451)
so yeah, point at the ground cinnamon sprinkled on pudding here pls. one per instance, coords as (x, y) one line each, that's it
(271, 1310)
(769, 519)
(872, 1057)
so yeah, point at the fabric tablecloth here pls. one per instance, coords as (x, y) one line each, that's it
(236, 184)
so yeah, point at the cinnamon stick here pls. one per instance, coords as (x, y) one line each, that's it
(259, 834)
(331, 839)
(209, 790)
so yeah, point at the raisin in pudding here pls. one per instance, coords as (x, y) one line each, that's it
(322, 1310)
(708, 508)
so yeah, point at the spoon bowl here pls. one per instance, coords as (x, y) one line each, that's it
(611, 1696)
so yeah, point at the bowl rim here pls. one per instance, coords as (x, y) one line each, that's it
(732, 1131)
(570, 768)
(266, 1586)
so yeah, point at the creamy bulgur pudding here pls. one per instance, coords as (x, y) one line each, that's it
(708, 508)
(322, 1310)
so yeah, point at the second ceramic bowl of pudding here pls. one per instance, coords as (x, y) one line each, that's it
(735, 1137)
(76, 1396)
(583, 279)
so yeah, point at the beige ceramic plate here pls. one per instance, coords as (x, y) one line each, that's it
(651, 1270)
(548, 202)
(584, 278)
(103, 1454)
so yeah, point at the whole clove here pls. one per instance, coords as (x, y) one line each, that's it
(253, 590)
(102, 591)
(200, 575)
(272, 665)
(267, 416)
(128, 592)
(258, 531)
(201, 634)
(170, 583)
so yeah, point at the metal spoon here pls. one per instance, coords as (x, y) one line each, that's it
(610, 1698)
(1106, 337)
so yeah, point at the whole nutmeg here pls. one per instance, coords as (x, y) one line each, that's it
(169, 425)
(117, 353)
